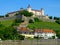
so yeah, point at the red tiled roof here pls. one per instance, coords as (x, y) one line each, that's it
(38, 30)
(23, 29)
(48, 31)
(45, 31)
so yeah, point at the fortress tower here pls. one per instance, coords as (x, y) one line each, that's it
(42, 11)
(36, 12)
(29, 8)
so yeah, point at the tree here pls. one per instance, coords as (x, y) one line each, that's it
(7, 15)
(37, 20)
(53, 37)
(50, 17)
(58, 35)
(1, 16)
(31, 21)
(56, 18)
(26, 13)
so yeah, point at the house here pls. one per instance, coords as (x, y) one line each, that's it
(25, 32)
(45, 33)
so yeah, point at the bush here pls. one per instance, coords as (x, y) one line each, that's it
(37, 20)
(57, 21)
(53, 37)
(36, 37)
(26, 13)
(7, 15)
(50, 17)
(18, 20)
(31, 21)
(20, 37)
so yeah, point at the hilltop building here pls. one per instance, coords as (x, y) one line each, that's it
(36, 13)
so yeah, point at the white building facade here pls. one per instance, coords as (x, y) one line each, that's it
(36, 12)
(46, 34)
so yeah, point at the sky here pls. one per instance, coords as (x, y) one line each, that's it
(51, 7)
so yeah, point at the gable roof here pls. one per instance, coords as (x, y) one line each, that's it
(44, 31)
(48, 31)
(23, 29)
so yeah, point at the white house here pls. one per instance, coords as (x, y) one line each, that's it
(45, 33)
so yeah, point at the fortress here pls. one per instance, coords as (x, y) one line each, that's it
(36, 13)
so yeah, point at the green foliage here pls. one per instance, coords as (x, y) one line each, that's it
(26, 13)
(50, 17)
(7, 23)
(7, 15)
(1, 16)
(20, 37)
(57, 21)
(58, 33)
(10, 33)
(31, 21)
(53, 37)
(36, 37)
(16, 22)
(46, 25)
(56, 18)
(37, 20)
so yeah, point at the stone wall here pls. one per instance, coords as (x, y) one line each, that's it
(13, 17)
(31, 42)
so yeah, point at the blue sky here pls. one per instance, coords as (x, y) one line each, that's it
(51, 7)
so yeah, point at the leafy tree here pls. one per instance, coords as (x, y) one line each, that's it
(58, 35)
(37, 20)
(20, 37)
(26, 13)
(1, 16)
(31, 21)
(57, 21)
(9, 33)
(53, 37)
(56, 18)
(7, 15)
(50, 17)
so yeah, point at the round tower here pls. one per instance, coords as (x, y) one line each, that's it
(29, 8)
(42, 12)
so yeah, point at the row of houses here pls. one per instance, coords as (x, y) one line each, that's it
(43, 33)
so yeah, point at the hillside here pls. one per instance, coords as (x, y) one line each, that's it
(43, 25)
(6, 22)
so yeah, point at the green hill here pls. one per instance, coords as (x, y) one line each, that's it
(44, 25)
(6, 22)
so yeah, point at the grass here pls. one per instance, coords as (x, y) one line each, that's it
(7, 22)
(44, 25)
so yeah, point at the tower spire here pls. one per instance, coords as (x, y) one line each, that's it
(29, 6)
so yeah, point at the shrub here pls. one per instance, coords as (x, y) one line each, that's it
(37, 20)
(31, 21)
(20, 37)
(53, 37)
(7, 15)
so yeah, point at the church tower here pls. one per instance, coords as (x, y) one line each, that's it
(42, 12)
(29, 8)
